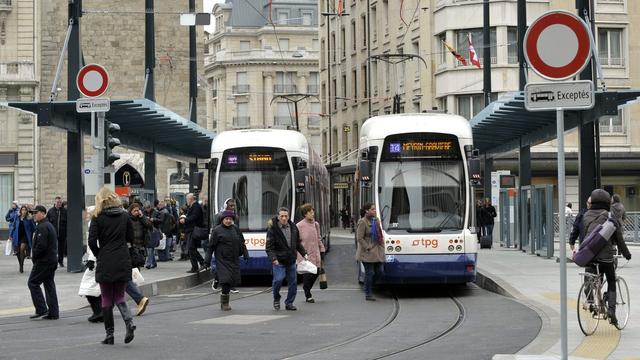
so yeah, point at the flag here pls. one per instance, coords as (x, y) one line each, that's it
(340, 8)
(270, 4)
(473, 57)
(456, 54)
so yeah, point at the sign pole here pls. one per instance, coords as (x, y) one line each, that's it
(100, 149)
(563, 246)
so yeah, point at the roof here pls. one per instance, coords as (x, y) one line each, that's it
(506, 125)
(144, 125)
(288, 140)
(379, 127)
(254, 13)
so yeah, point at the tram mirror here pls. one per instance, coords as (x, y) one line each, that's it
(365, 170)
(195, 181)
(213, 164)
(299, 178)
(474, 172)
(298, 163)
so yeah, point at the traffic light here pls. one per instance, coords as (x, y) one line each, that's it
(110, 129)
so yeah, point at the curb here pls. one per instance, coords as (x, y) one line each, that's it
(550, 330)
(161, 287)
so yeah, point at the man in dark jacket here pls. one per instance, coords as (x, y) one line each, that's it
(45, 257)
(577, 230)
(488, 213)
(283, 244)
(57, 216)
(192, 219)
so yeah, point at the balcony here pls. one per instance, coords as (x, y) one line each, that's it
(271, 55)
(5, 5)
(17, 71)
(240, 89)
(285, 89)
(283, 121)
(241, 122)
(313, 89)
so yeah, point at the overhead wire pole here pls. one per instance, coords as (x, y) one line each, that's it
(295, 98)
(369, 55)
(193, 88)
(396, 59)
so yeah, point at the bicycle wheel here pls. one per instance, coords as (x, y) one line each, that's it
(622, 303)
(588, 316)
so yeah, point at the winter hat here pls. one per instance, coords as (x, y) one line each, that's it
(227, 213)
(600, 198)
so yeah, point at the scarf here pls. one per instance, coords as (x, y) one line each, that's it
(376, 232)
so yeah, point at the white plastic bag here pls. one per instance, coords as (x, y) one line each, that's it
(163, 243)
(306, 267)
(8, 248)
(136, 276)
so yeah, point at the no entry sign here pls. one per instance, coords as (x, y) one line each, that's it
(92, 80)
(557, 45)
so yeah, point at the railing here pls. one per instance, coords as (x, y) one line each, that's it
(285, 89)
(261, 54)
(241, 122)
(631, 226)
(240, 89)
(611, 129)
(611, 61)
(17, 71)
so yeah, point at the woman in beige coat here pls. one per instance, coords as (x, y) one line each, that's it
(370, 247)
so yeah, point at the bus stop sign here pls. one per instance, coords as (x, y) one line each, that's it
(557, 45)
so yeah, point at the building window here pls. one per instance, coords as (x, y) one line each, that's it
(307, 18)
(344, 89)
(385, 11)
(315, 46)
(354, 81)
(245, 45)
(374, 28)
(334, 88)
(7, 194)
(365, 82)
(363, 20)
(282, 16)
(242, 120)
(470, 105)
(242, 85)
(512, 45)
(374, 78)
(313, 117)
(312, 84)
(443, 51)
(343, 42)
(612, 124)
(322, 52)
(285, 82)
(333, 48)
(610, 47)
(284, 44)
(354, 40)
(462, 44)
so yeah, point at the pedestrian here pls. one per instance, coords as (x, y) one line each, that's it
(22, 230)
(283, 244)
(370, 248)
(192, 219)
(141, 229)
(57, 216)
(617, 208)
(227, 243)
(12, 212)
(229, 205)
(344, 218)
(110, 230)
(489, 213)
(166, 224)
(479, 219)
(155, 235)
(311, 240)
(90, 289)
(44, 257)
(597, 215)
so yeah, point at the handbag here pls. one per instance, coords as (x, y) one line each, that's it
(154, 238)
(137, 258)
(306, 267)
(323, 278)
(8, 248)
(163, 243)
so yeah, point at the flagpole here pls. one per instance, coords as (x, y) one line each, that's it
(486, 42)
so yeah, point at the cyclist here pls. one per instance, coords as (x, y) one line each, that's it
(597, 214)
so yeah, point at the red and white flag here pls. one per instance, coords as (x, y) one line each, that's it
(473, 56)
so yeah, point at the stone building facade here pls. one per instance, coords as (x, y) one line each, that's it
(249, 62)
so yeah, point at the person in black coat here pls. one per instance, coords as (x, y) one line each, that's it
(192, 219)
(57, 216)
(44, 257)
(227, 242)
(110, 231)
(283, 244)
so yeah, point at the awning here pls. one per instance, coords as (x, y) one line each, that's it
(505, 124)
(144, 125)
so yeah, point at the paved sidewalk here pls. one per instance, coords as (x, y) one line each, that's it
(168, 277)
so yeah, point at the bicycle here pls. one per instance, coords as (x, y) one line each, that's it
(592, 306)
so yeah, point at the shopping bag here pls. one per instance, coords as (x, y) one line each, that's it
(163, 243)
(8, 248)
(323, 278)
(136, 276)
(306, 267)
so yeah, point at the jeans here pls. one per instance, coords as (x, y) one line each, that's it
(43, 273)
(280, 272)
(371, 271)
(488, 231)
(151, 258)
(133, 291)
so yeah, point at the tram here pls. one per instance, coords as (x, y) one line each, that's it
(419, 170)
(263, 170)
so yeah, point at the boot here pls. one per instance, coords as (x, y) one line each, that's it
(224, 302)
(21, 257)
(94, 301)
(128, 320)
(108, 325)
(611, 308)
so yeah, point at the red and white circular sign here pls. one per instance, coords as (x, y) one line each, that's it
(92, 80)
(557, 45)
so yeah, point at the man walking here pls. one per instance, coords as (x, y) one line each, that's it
(57, 216)
(44, 256)
(283, 244)
(192, 219)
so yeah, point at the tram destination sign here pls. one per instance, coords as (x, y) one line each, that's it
(566, 95)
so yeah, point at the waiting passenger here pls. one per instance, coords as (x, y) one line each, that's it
(370, 250)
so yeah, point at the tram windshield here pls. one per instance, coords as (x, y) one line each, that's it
(259, 179)
(421, 183)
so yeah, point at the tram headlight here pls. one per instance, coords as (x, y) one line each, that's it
(459, 247)
(389, 248)
(398, 248)
(451, 248)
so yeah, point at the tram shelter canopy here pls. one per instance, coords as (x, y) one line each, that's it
(505, 124)
(144, 126)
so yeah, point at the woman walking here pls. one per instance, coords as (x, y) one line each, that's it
(370, 247)
(23, 227)
(110, 231)
(309, 230)
(227, 242)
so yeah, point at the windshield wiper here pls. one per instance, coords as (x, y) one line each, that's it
(455, 210)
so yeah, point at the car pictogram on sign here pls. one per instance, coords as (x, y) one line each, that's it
(543, 96)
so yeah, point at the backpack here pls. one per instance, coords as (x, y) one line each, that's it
(594, 242)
